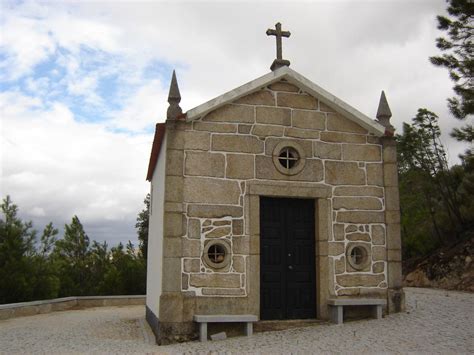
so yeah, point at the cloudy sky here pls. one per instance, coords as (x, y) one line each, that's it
(83, 84)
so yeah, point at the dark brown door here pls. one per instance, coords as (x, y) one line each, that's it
(287, 264)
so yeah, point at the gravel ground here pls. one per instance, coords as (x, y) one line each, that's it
(435, 322)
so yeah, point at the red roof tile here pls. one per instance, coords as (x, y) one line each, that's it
(155, 149)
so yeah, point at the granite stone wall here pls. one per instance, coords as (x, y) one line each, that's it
(214, 163)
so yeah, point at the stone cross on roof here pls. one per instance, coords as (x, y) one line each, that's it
(278, 33)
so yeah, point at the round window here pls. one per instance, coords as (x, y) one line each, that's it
(358, 256)
(216, 254)
(288, 157)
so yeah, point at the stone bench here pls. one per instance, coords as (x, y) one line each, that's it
(248, 319)
(337, 305)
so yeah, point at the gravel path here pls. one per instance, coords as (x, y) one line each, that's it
(435, 322)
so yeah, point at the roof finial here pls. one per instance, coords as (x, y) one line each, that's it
(278, 33)
(384, 113)
(174, 97)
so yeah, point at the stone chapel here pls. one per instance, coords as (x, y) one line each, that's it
(277, 200)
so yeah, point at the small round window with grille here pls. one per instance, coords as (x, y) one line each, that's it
(216, 254)
(288, 157)
(358, 256)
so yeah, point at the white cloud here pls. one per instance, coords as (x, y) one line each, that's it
(55, 164)
(56, 167)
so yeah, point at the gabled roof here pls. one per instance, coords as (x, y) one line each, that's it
(296, 79)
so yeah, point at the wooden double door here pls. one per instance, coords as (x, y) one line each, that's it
(287, 259)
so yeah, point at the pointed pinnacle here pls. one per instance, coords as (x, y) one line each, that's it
(174, 95)
(383, 110)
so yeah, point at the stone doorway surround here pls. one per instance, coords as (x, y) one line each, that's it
(323, 232)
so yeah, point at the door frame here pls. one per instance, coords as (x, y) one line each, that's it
(323, 233)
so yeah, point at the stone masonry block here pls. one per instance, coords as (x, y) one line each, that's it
(378, 267)
(263, 131)
(312, 171)
(361, 152)
(215, 127)
(357, 203)
(172, 277)
(324, 108)
(340, 265)
(274, 115)
(192, 265)
(358, 237)
(308, 120)
(390, 154)
(191, 247)
(283, 86)
(360, 280)
(215, 280)
(327, 150)
(390, 175)
(358, 191)
(219, 232)
(240, 166)
(335, 248)
(338, 231)
(378, 235)
(236, 143)
(210, 211)
(174, 162)
(194, 228)
(262, 97)
(237, 226)
(379, 253)
(394, 255)
(240, 245)
(173, 224)
(301, 133)
(336, 122)
(394, 239)
(392, 198)
(204, 164)
(343, 173)
(196, 140)
(171, 305)
(297, 101)
(174, 189)
(238, 263)
(207, 190)
(232, 113)
(271, 143)
(339, 137)
(245, 128)
(360, 217)
(394, 271)
(392, 217)
(172, 247)
(375, 174)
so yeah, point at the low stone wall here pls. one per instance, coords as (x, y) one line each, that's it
(22, 309)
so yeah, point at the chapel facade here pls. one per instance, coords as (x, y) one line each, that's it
(270, 200)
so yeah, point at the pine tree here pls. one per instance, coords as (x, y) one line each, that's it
(143, 220)
(458, 56)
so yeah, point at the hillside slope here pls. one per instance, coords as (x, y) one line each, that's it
(450, 268)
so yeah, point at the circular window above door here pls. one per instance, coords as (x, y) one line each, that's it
(288, 158)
